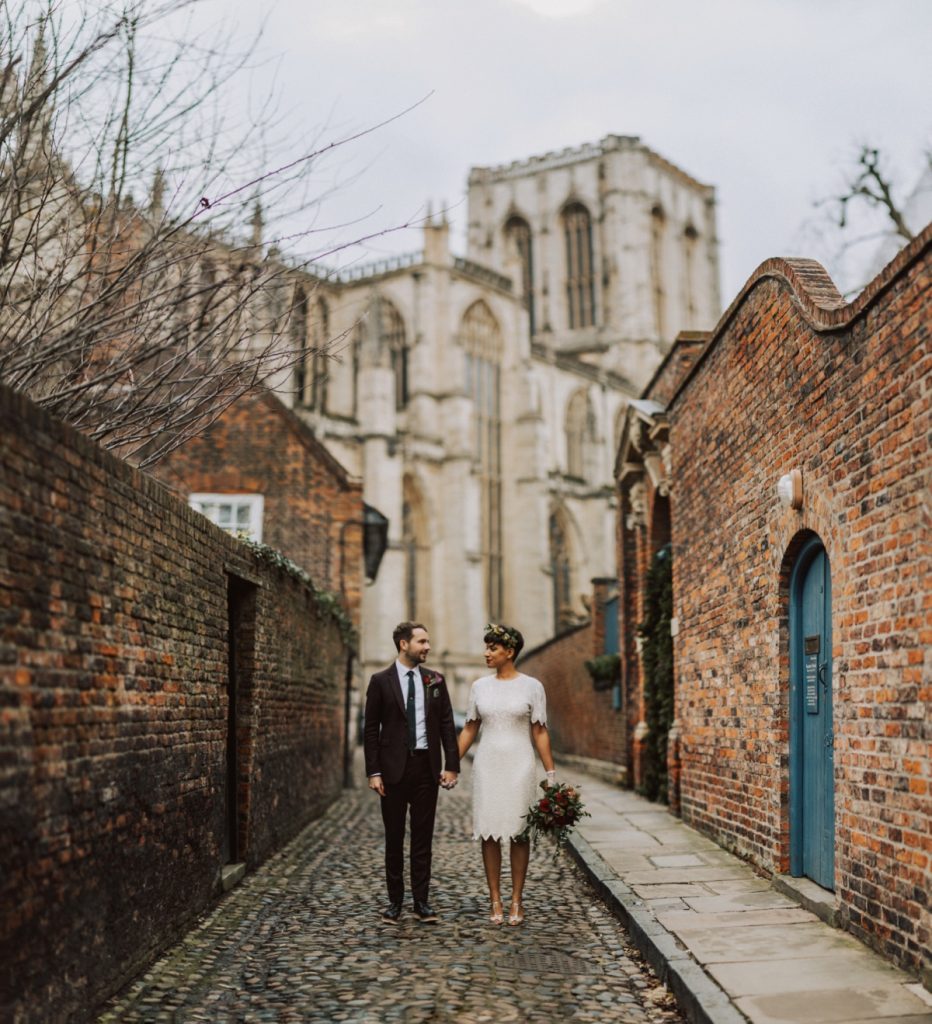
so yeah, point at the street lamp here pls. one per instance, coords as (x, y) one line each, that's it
(790, 489)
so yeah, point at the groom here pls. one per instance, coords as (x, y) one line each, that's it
(408, 719)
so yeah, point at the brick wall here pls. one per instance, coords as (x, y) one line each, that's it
(581, 720)
(795, 378)
(259, 446)
(116, 602)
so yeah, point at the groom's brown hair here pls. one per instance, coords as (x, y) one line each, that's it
(404, 631)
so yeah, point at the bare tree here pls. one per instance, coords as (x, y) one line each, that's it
(872, 185)
(869, 218)
(140, 321)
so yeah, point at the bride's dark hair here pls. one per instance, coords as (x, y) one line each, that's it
(507, 636)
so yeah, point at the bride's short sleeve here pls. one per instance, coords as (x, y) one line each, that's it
(472, 713)
(539, 703)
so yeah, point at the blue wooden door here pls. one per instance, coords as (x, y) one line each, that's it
(812, 734)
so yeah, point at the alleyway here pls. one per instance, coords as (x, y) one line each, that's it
(301, 940)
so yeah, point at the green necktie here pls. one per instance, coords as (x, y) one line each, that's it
(412, 717)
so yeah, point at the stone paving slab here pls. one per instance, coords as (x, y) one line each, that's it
(832, 1006)
(724, 886)
(714, 944)
(732, 948)
(300, 941)
(684, 920)
(758, 900)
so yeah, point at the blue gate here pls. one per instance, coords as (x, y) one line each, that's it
(812, 784)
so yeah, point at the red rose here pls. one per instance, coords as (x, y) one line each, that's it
(562, 799)
(544, 805)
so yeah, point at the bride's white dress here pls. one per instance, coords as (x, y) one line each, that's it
(505, 776)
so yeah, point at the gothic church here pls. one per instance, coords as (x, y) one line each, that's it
(480, 398)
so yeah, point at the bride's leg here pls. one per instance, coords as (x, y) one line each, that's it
(520, 855)
(492, 861)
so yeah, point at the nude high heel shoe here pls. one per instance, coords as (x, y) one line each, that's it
(498, 912)
(516, 913)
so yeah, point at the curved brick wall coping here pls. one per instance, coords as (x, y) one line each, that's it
(822, 305)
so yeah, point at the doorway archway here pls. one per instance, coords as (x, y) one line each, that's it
(812, 760)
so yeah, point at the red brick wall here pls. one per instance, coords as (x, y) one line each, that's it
(687, 347)
(580, 719)
(259, 446)
(113, 705)
(794, 378)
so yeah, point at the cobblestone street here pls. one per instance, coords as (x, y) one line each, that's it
(301, 940)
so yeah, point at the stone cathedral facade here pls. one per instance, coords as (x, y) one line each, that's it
(480, 398)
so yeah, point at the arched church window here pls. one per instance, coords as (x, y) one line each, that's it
(392, 334)
(320, 336)
(518, 233)
(658, 225)
(690, 244)
(581, 436)
(207, 300)
(309, 346)
(416, 551)
(297, 331)
(482, 344)
(561, 572)
(580, 279)
(356, 360)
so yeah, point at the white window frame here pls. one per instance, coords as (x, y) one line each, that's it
(210, 505)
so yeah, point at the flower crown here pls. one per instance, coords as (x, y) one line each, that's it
(503, 635)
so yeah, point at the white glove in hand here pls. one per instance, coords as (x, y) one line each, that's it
(552, 776)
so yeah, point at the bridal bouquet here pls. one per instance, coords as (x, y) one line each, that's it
(555, 814)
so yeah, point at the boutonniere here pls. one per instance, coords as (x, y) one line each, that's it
(432, 683)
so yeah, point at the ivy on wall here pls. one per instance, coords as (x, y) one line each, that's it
(328, 604)
(657, 662)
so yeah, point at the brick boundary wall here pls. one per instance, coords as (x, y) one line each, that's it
(581, 719)
(793, 377)
(116, 605)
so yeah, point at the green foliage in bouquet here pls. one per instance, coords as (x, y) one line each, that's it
(554, 814)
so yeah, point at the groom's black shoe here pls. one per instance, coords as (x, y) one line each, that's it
(392, 912)
(424, 913)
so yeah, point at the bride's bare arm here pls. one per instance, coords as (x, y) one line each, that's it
(467, 734)
(541, 739)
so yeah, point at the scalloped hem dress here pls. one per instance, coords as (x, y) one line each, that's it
(505, 776)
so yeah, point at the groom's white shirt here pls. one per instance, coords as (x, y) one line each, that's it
(418, 700)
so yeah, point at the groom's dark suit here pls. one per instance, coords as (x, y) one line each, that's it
(410, 778)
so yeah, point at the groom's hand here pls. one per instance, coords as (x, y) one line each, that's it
(376, 783)
(448, 779)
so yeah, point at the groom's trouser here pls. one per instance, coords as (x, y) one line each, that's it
(417, 789)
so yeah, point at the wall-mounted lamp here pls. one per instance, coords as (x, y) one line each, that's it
(790, 489)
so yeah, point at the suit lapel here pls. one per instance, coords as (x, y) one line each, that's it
(392, 680)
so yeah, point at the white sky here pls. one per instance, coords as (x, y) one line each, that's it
(766, 100)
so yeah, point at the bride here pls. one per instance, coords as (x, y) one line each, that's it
(511, 709)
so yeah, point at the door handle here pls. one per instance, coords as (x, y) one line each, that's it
(822, 675)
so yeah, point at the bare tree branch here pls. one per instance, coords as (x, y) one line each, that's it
(873, 186)
(141, 320)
